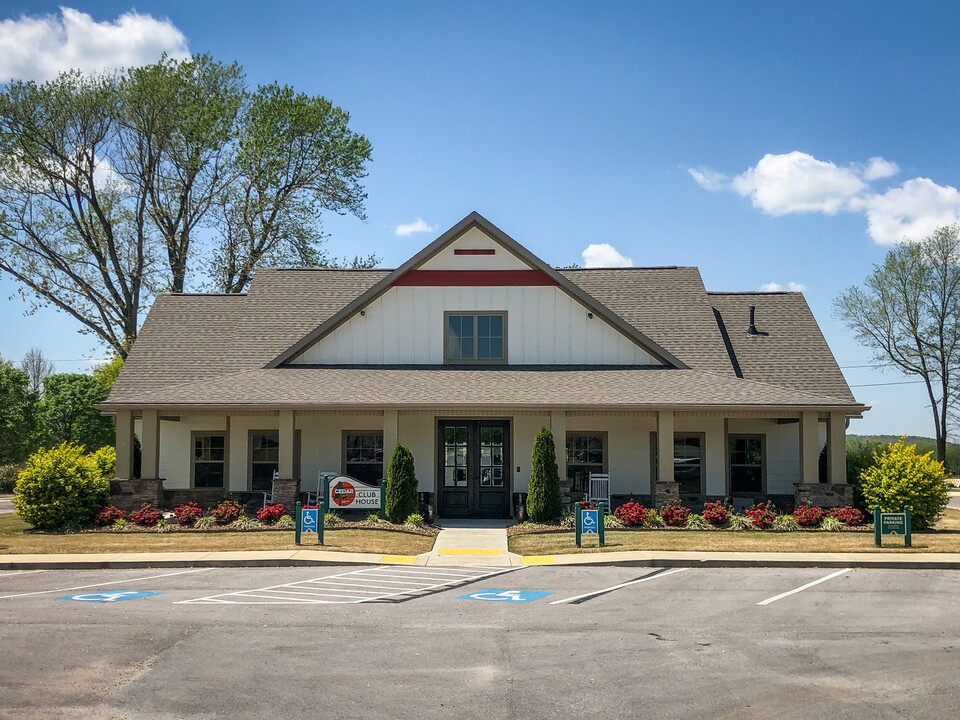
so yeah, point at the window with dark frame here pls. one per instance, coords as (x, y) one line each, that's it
(687, 461)
(474, 337)
(363, 456)
(586, 453)
(209, 460)
(264, 459)
(746, 464)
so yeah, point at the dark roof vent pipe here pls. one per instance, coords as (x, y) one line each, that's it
(752, 330)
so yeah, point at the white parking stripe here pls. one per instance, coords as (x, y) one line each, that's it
(356, 586)
(20, 572)
(112, 582)
(803, 587)
(616, 587)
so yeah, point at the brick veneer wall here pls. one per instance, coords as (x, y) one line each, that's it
(129, 495)
(665, 492)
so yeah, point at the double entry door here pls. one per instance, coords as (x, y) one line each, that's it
(473, 468)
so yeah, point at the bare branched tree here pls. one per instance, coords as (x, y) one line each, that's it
(36, 367)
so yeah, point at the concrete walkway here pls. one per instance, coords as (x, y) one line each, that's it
(472, 542)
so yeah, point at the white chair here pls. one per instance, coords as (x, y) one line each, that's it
(268, 496)
(600, 490)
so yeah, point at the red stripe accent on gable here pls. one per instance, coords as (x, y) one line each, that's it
(474, 251)
(487, 278)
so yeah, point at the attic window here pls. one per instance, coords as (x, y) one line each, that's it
(474, 338)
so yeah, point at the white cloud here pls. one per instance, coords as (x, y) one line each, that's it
(778, 287)
(40, 47)
(878, 168)
(419, 226)
(604, 255)
(797, 182)
(709, 179)
(911, 211)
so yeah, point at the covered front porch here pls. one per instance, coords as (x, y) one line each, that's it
(475, 462)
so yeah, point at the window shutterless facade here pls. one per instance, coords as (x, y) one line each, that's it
(746, 453)
(209, 460)
(264, 458)
(688, 450)
(475, 337)
(363, 455)
(586, 453)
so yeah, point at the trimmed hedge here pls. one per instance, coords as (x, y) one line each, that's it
(899, 476)
(63, 486)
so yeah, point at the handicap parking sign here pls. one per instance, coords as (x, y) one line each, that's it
(308, 520)
(588, 521)
(109, 596)
(510, 596)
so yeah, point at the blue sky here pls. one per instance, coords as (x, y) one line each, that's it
(817, 133)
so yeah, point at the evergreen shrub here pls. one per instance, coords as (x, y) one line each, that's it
(899, 476)
(61, 487)
(401, 500)
(544, 502)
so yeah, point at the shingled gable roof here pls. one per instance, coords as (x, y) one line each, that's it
(476, 220)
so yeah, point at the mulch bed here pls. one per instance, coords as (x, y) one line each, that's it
(174, 527)
(531, 528)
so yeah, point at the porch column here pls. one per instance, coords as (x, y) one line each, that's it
(150, 445)
(558, 426)
(837, 448)
(391, 436)
(124, 444)
(809, 447)
(285, 461)
(665, 446)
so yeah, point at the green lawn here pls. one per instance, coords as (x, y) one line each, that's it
(945, 538)
(388, 542)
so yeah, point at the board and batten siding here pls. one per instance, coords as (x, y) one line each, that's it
(405, 326)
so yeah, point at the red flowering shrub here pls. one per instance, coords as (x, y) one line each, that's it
(587, 505)
(674, 514)
(848, 515)
(808, 515)
(227, 511)
(188, 513)
(109, 515)
(762, 515)
(147, 515)
(269, 514)
(716, 513)
(631, 514)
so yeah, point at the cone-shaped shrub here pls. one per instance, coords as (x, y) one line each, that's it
(544, 502)
(401, 486)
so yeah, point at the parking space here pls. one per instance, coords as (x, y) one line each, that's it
(883, 642)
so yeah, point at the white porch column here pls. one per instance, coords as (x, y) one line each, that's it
(809, 447)
(285, 464)
(558, 426)
(124, 444)
(715, 457)
(665, 446)
(391, 436)
(837, 448)
(150, 444)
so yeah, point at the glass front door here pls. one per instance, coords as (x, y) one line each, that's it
(474, 468)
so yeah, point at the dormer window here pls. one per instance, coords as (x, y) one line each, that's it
(475, 338)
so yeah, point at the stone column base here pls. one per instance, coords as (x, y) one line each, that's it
(285, 492)
(129, 495)
(824, 495)
(665, 492)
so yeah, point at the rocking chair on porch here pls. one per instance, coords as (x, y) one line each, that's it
(600, 490)
(268, 496)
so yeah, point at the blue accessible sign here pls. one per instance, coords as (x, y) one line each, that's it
(590, 522)
(308, 520)
(510, 596)
(110, 596)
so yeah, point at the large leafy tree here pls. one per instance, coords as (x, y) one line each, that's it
(21, 431)
(68, 407)
(907, 312)
(106, 179)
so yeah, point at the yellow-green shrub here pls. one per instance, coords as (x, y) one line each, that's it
(63, 486)
(898, 477)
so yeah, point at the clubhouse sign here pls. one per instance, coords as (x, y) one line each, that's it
(351, 494)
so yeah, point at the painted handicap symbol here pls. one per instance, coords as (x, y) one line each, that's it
(110, 596)
(308, 521)
(589, 520)
(510, 596)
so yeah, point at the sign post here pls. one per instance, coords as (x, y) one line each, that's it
(589, 522)
(891, 524)
(307, 523)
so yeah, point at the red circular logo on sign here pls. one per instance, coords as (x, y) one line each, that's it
(343, 493)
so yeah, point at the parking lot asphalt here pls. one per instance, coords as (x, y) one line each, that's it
(375, 643)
